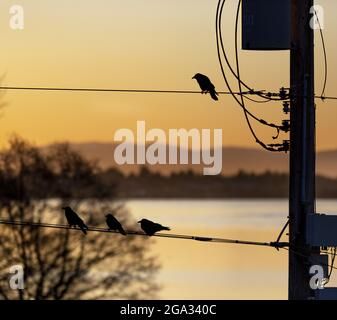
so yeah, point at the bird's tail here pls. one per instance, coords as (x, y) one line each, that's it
(83, 227)
(214, 94)
(122, 231)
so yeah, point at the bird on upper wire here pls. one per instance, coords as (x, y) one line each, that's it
(150, 227)
(74, 219)
(206, 85)
(114, 224)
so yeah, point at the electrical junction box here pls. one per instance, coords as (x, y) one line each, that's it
(322, 230)
(266, 24)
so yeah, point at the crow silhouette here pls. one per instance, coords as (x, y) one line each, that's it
(114, 224)
(150, 228)
(74, 219)
(206, 85)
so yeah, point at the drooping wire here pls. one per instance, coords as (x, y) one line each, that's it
(308, 256)
(239, 81)
(220, 7)
(325, 57)
(334, 252)
(138, 233)
(256, 101)
(218, 40)
(271, 147)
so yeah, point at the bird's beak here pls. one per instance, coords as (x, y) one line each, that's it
(193, 77)
(63, 208)
(138, 221)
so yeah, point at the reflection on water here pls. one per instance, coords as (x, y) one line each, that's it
(194, 270)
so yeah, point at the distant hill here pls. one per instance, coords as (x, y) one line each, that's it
(234, 159)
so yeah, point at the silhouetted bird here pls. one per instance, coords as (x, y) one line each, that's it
(150, 228)
(206, 85)
(74, 219)
(114, 224)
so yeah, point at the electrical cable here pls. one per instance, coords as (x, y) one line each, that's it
(239, 82)
(109, 90)
(218, 30)
(245, 93)
(280, 147)
(332, 263)
(325, 57)
(138, 233)
(220, 7)
(307, 256)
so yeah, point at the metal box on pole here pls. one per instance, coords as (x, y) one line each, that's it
(266, 24)
(322, 230)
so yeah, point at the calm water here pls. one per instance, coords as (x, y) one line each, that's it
(194, 270)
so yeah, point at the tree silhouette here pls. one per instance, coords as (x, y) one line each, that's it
(65, 264)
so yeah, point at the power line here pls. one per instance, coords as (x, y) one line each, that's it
(325, 98)
(245, 93)
(114, 90)
(138, 233)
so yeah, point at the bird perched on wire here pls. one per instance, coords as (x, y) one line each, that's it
(114, 224)
(150, 228)
(206, 85)
(74, 219)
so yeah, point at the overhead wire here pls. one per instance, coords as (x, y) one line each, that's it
(239, 81)
(219, 43)
(325, 57)
(308, 256)
(164, 91)
(220, 7)
(334, 252)
(282, 245)
(218, 40)
(325, 98)
(240, 84)
(138, 233)
(30, 88)
(267, 96)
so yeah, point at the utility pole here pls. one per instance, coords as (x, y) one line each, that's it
(302, 148)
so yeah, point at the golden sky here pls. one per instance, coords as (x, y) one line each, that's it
(138, 44)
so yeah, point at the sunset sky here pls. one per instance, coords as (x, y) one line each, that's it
(161, 44)
(139, 44)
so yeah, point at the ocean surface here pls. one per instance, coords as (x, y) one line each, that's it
(202, 270)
